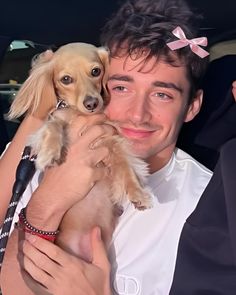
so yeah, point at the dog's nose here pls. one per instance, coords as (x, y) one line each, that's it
(91, 103)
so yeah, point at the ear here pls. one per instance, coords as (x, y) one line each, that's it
(104, 56)
(195, 106)
(43, 57)
(37, 93)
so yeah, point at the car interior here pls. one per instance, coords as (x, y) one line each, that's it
(27, 28)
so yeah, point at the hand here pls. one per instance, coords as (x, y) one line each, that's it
(47, 269)
(64, 185)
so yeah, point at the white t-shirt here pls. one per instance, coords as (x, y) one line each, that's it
(144, 246)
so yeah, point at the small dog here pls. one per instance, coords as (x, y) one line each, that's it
(76, 74)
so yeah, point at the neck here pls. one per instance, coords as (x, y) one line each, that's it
(158, 161)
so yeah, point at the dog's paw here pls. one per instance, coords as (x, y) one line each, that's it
(50, 157)
(61, 156)
(141, 199)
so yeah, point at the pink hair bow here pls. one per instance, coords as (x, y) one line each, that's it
(193, 43)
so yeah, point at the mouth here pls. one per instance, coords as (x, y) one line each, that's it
(133, 133)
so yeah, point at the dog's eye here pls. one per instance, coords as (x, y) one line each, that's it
(96, 72)
(66, 80)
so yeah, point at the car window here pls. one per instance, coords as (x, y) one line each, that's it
(14, 70)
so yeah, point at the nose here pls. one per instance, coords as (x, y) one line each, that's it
(90, 103)
(140, 110)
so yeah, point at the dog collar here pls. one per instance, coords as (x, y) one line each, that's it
(61, 104)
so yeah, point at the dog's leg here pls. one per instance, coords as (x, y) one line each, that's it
(128, 176)
(50, 143)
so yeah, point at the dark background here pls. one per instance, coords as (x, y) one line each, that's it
(59, 22)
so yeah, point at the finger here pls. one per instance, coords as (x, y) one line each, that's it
(36, 287)
(80, 123)
(100, 160)
(101, 131)
(32, 275)
(86, 134)
(95, 119)
(37, 263)
(99, 154)
(35, 274)
(49, 250)
(99, 252)
(99, 174)
(89, 120)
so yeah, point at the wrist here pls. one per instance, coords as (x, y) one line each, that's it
(24, 225)
(43, 213)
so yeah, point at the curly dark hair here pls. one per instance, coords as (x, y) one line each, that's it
(148, 24)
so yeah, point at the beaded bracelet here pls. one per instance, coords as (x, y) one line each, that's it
(28, 228)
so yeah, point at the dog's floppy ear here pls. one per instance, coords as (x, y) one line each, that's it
(43, 57)
(104, 56)
(36, 95)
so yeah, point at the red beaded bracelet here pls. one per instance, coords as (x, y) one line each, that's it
(28, 228)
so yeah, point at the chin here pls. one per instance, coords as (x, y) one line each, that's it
(140, 152)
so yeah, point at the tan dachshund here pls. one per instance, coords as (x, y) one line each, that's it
(76, 74)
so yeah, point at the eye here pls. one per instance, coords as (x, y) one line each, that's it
(162, 96)
(119, 88)
(67, 80)
(96, 72)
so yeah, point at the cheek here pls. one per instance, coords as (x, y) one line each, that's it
(175, 123)
(112, 110)
(109, 112)
(171, 119)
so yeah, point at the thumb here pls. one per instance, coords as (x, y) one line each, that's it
(100, 258)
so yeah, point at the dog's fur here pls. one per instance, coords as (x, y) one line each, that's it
(72, 74)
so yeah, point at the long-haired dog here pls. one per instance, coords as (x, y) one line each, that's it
(76, 74)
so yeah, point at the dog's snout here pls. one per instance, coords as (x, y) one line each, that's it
(91, 103)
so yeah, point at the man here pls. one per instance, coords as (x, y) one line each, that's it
(154, 90)
(206, 259)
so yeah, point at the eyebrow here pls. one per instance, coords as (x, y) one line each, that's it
(167, 85)
(124, 78)
(127, 78)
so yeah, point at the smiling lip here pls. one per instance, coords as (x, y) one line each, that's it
(135, 133)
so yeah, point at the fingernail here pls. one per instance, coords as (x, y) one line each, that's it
(95, 144)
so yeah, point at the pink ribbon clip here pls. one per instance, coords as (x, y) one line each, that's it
(193, 43)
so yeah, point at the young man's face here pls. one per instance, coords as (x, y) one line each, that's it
(150, 106)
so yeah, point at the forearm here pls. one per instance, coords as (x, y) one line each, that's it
(11, 158)
(42, 213)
